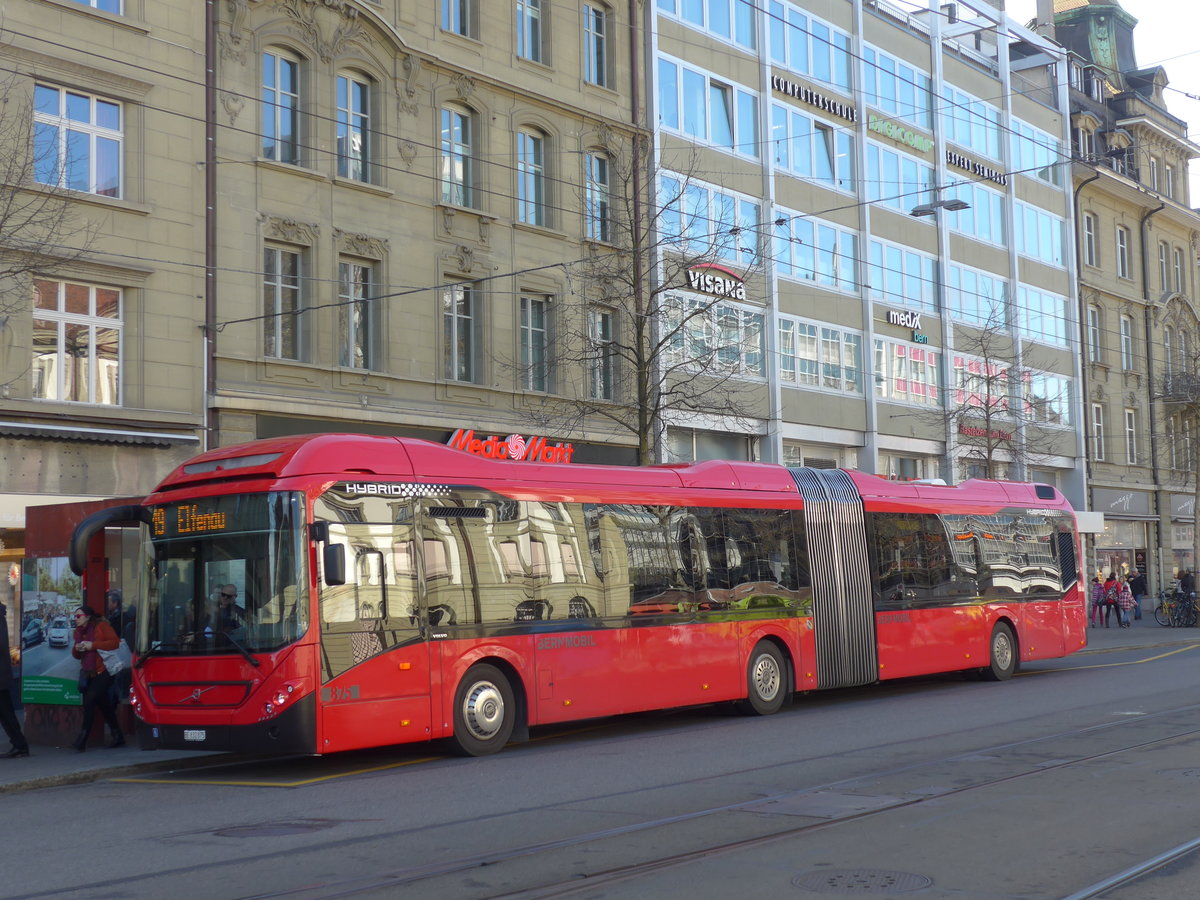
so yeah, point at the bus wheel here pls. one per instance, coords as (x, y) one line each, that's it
(1003, 652)
(765, 689)
(483, 711)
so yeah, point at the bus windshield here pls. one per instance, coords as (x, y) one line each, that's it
(227, 575)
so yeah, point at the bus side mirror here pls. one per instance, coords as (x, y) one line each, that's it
(333, 564)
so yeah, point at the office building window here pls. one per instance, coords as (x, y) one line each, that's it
(732, 20)
(76, 342)
(460, 330)
(811, 250)
(535, 343)
(1127, 343)
(354, 127)
(458, 16)
(1090, 226)
(1123, 252)
(706, 221)
(77, 141)
(280, 97)
(808, 46)
(458, 151)
(598, 210)
(1131, 452)
(595, 44)
(358, 316)
(703, 335)
(602, 353)
(1098, 432)
(531, 178)
(907, 373)
(1093, 334)
(529, 29)
(708, 109)
(283, 332)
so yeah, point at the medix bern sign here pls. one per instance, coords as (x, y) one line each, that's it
(714, 279)
(513, 447)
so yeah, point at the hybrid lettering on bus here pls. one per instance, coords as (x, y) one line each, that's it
(392, 590)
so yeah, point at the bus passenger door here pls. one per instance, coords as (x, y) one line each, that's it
(374, 658)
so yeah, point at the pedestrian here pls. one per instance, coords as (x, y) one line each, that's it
(1137, 585)
(92, 634)
(1111, 592)
(8, 715)
(121, 620)
(1124, 602)
(1096, 614)
(1187, 583)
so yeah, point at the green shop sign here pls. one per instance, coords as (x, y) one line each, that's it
(899, 133)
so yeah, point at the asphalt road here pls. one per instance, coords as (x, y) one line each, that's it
(1076, 779)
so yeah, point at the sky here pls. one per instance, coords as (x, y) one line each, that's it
(1158, 39)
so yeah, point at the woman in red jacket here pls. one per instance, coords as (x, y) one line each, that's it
(93, 633)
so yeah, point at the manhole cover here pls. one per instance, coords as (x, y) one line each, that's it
(272, 829)
(861, 882)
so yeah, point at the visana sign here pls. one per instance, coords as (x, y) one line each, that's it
(710, 278)
(513, 447)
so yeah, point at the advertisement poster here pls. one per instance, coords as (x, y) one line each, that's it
(50, 592)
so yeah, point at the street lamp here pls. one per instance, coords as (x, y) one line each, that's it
(928, 209)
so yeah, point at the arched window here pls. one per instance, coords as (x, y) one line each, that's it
(531, 177)
(458, 148)
(354, 107)
(280, 101)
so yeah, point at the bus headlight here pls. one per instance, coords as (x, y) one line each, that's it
(279, 700)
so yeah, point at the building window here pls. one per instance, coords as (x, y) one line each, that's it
(706, 221)
(460, 329)
(1083, 141)
(818, 356)
(595, 44)
(1164, 267)
(602, 354)
(531, 178)
(716, 17)
(1090, 256)
(598, 199)
(1098, 432)
(112, 6)
(811, 250)
(535, 343)
(76, 342)
(77, 141)
(280, 107)
(1039, 233)
(812, 149)
(1153, 173)
(1169, 187)
(710, 110)
(358, 316)
(529, 30)
(1093, 334)
(1131, 455)
(1123, 252)
(1046, 398)
(1168, 349)
(702, 334)
(458, 139)
(908, 373)
(353, 127)
(808, 46)
(1177, 265)
(282, 319)
(889, 83)
(1185, 359)
(906, 278)
(458, 16)
(1127, 343)
(1173, 443)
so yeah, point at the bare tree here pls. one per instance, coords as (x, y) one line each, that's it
(655, 337)
(997, 403)
(39, 227)
(1179, 392)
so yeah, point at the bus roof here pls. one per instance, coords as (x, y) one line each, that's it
(355, 456)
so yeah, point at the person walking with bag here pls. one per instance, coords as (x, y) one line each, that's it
(1096, 615)
(1111, 592)
(8, 715)
(93, 634)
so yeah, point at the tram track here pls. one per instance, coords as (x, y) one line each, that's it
(1045, 754)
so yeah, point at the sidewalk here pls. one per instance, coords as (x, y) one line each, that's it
(53, 766)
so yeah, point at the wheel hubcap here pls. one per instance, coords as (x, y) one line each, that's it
(1002, 651)
(483, 710)
(766, 677)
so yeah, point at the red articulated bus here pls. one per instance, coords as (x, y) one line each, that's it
(385, 590)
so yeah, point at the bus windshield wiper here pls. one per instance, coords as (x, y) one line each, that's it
(242, 650)
(155, 648)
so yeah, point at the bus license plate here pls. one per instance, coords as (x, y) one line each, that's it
(194, 734)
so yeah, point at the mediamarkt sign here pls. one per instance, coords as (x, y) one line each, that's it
(512, 447)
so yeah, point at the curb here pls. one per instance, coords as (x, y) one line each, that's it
(85, 776)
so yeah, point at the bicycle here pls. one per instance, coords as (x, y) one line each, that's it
(1175, 610)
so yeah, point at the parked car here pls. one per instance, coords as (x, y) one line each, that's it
(32, 634)
(59, 633)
